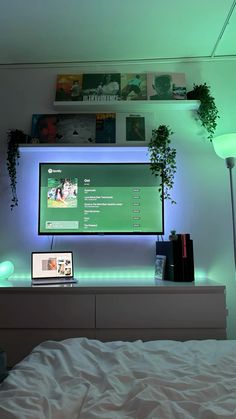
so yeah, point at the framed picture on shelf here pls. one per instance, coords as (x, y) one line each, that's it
(105, 128)
(101, 87)
(160, 264)
(133, 86)
(166, 86)
(69, 87)
(135, 128)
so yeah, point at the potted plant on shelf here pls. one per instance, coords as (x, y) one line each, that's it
(163, 159)
(15, 137)
(207, 111)
(173, 236)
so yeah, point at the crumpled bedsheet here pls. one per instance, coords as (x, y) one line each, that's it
(88, 379)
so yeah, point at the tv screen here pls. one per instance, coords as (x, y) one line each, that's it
(99, 198)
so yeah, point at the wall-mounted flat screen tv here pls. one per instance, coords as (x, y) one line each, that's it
(99, 198)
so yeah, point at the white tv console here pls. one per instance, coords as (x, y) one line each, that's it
(178, 311)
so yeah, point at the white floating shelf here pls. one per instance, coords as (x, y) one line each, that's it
(126, 105)
(74, 147)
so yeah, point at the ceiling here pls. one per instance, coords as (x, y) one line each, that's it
(75, 31)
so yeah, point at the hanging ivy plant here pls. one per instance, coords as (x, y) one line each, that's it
(207, 111)
(15, 137)
(163, 159)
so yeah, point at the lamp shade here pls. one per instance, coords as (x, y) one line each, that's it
(225, 145)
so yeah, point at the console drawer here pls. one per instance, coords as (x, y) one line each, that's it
(160, 310)
(41, 310)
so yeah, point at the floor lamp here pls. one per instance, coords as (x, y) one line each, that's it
(225, 147)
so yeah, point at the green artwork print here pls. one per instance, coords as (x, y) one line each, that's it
(62, 193)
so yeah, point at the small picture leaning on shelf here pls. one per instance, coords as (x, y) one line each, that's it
(105, 128)
(133, 86)
(160, 265)
(69, 87)
(166, 86)
(101, 87)
(135, 128)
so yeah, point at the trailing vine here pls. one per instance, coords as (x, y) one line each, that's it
(163, 160)
(207, 111)
(15, 137)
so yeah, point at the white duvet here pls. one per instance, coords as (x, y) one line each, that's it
(81, 378)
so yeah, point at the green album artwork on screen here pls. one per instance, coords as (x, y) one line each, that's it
(99, 198)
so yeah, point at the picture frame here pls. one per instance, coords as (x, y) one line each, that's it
(166, 86)
(133, 86)
(160, 264)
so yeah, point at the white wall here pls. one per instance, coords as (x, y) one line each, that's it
(201, 184)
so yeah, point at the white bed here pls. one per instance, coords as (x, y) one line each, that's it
(82, 378)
